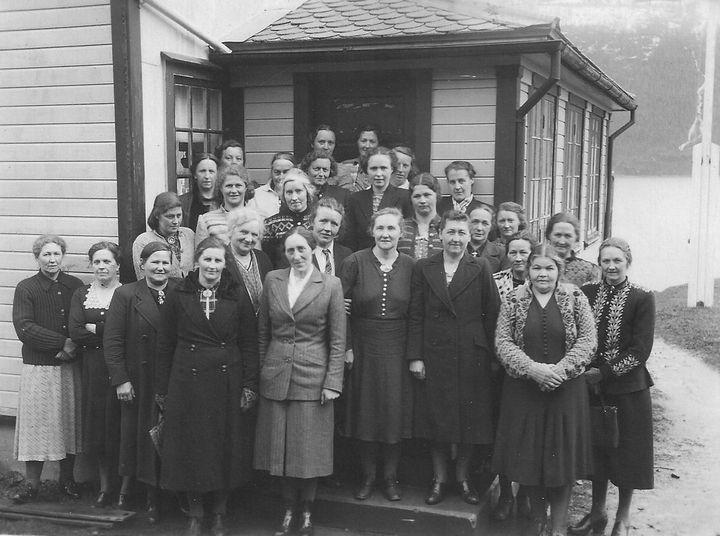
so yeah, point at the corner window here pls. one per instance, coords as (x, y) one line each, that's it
(573, 160)
(592, 204)
(540, 169)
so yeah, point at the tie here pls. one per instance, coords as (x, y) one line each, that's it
(328, 261)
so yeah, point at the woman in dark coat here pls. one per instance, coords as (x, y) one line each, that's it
(101, 409)
(130, 341)
(451, 328)
(206, 381)
(625, 317)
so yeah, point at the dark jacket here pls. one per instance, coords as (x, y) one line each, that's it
(493, 252)
(445, 203)
(359, 213)
(41, 308)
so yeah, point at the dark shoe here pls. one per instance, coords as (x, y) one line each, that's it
(437, 493)
(392, 490)
(365, 489)
(103, 499)
(217, 528)
(286, 527)
(306, 526)
(503, 508)
(153, 515)
(194, 527)
(70, 488)
(124, 501)
(523, 506)
(468, 492)
(586, 525)
(535, 527)
(620, 528)
(24, 493)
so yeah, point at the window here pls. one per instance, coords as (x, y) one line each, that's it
(592, 204)
(573, 160)
(540, 165)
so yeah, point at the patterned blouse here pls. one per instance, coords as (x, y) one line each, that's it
(506, 283)
(420, 247)
(579, 271)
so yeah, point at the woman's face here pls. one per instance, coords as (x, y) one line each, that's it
(423, 200)
(233, 155)
(169, 221)
(543, 274)
(614, 265)
(319, 171)
(480, 224)
(562, 238)
(211, 263)
(50, 259)
(518, 253)
(460, 184)
(104, 266)
(386, 231)
(366, 141)
(379, 169)
(296, 196)
(508, 223)
(205, 175)
(233, 192)
(324, 141)
(279, 169)
(298, 252)
(455, 237)
(400, 175)
(245, 237)
(157, 268)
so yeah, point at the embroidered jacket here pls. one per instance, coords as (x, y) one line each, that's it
(580, 335)
(625, 319)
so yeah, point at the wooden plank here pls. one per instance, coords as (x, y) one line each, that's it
(69, 115)
(463, 151)
(23, 5)
(23, 260)
(7, 330)
(268, 127)
(276, 143)
(23, 243)
(102, 171)
(60, 152)
(71, 17)
(58, 76)
(99, 208)
(59, 37)
(458, 115)
(9, 382)
(5, 314)
(465, 83)
(57, 57)
(58, 189)
(97, 132)
(483, 168)
(8, 403)
(10, 364)
(6, 295)
(269, 111)
(463, 97)
(64, 226)
(460, 133)
(268, 94)
(26, 96)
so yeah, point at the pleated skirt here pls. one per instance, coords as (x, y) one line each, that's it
(294, 438)
(543, 439)
(48, 425)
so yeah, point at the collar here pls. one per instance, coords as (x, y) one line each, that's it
(619, 286)
(46, 282)
(331, 248)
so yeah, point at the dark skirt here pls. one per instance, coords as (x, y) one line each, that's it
(630, 465)
(543, 439)
(378, 396)
(100, 407)
(294, 438)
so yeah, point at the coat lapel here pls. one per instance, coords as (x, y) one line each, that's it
(279, 292)
(313, 287)
(388, 198)
(466, 272)
(435, 275)
(145, 305)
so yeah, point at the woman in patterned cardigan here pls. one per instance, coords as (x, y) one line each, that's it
(545, 338)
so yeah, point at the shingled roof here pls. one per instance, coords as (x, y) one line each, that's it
(357, 19)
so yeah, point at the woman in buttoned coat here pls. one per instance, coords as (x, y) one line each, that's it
(206, 380)
(301, 330)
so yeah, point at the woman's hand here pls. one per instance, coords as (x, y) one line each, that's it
(92, 328)
(125, 392)
(417, 369)
(327, 395)
(348, 305)
(349, 359)
(545, 377)
(69, 347)
(248, 399)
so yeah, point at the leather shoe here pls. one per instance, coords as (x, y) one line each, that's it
(503, 508)
(365, 489)
(286, 527)
(70, 488)
(468, 492)
(306, 525)
(437, 493)
(587, 525)
(103, 499)
(391, 490)
(620, 528)
(217, 528)
(194, 527)
(153, 515)
(24, 493)
(123, 501)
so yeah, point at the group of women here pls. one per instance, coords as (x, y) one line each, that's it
(427, 317)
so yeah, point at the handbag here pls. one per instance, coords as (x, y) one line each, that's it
(604, 425)
(156, 433)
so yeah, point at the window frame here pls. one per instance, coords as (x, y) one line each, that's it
(593, 200)
(573, 170)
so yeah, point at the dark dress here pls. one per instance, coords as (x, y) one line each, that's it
(625, 316)
(543, 438)
(202, 366)
(100, 405)
(378, 395)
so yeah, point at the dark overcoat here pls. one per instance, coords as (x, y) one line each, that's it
(452, 329)
(358, 215)
(130, 345)
(203, 366)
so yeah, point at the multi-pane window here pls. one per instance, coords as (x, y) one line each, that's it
(198, 124)
(573, 160)
(592, 204)
(540, 165)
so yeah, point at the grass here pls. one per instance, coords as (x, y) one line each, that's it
(694, 328)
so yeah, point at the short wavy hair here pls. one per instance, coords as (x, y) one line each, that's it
(299, 175)
(459, 165)
(563, 217)
(617, 242)
(164, 201)
(384, 151)
(233, 170)
(313, 155)
(207, 243)
(43, 240)
(242, 215)
(522, 235)
(112, 247)
(511, 206)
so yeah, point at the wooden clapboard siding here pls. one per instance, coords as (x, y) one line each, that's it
(57, 145)
(560, 151)
(268, 126)
(463, 125)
